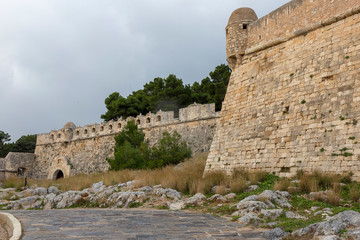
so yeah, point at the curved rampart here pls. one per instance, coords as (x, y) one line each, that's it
(293, 102)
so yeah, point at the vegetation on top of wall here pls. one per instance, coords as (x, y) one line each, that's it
(132, 151)
(26, 143)
(169, 94)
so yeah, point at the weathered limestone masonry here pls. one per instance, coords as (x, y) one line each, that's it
(72, 150)
(17, 164)
(293, 101)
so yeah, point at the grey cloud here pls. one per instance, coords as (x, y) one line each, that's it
(59, 60)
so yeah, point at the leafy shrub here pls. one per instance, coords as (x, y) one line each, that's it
(133, 152)
(170, 150)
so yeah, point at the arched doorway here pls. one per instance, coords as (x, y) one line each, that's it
(58, 174)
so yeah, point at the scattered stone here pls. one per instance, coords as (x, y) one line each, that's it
(146, 189)
(279, 197)
(251, 206)
(168, 193)
(293, 215)
(53, 190)
(175, 206)
(230, 196)
(249, 218)
(314, 208)
(252, 188)
(271, 213)
(197, 199)
(217, 198)
(275, 234)
(342, 221)
(40, 191)
(272, 224)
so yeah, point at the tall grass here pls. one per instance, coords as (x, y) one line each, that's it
(187, 178)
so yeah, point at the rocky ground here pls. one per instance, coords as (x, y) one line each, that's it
(276, 210)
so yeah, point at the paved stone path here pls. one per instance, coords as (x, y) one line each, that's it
(127, 224)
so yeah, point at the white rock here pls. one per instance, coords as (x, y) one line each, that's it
(40, 191)
(271, 213)
(249, 218)
(230, 196)
(252, 188)
(197, 199)
(293, 215)
(217, 198)
(175, 206)
(275, 234)
(53, 189)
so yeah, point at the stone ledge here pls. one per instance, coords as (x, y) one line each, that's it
(13, 224)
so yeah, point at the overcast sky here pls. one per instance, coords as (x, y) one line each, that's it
(60, 59)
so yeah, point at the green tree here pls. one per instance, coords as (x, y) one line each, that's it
(25, 144)
(170, 150)
(131, 149)
(169, 94)
(4, 137)
(133, 152)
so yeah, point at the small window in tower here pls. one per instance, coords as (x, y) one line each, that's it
(147, 120)
(85, 131)
(93, 130)
(244, 26)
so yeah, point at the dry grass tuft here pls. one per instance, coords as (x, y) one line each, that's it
(238, 184)
(308, 184)
(222, 190)
(14, 182)
(354, 194)
(240, 173)
(282, 184)
(318, 181)
(333, 198)
(257, 176)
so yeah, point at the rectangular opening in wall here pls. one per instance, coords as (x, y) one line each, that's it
(244, 26)
(285, 169)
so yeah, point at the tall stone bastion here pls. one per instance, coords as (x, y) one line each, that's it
(73, 150)
(293, 100)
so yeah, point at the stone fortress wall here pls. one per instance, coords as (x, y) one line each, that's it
(293, 100)
(73, 150)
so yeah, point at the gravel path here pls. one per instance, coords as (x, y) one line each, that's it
(127, 224)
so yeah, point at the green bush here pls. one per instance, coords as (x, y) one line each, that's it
(133, 152)
(170, 150)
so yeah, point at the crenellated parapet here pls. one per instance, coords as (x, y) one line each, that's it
(70, 132)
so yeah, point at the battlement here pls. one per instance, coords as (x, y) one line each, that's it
(298, 17)
(70, 132)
